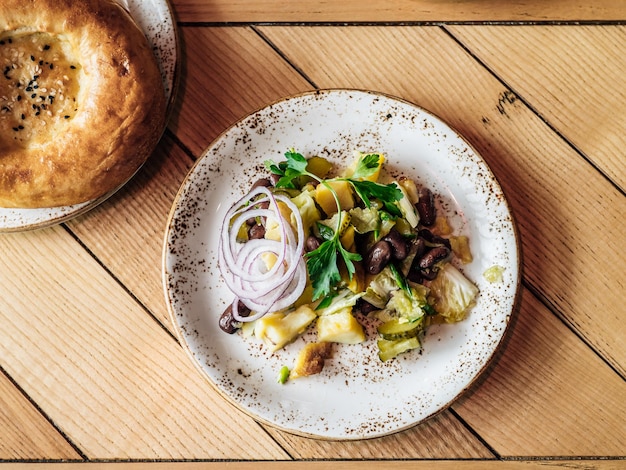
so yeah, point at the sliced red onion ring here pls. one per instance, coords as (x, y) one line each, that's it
(242, 266)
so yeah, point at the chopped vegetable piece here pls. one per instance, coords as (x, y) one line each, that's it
(407, 208)
(453, 293)
(311, 359)
(397, 328)
(390, 349)
(283, 375)
(494, 274)
(460, 247)
(277, 329)
(340, 327)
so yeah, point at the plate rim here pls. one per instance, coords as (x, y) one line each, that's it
(479, 375)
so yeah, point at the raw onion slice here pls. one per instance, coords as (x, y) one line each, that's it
(242, 265)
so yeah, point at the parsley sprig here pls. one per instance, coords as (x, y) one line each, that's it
(322, 262)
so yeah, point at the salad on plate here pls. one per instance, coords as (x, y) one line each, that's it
(316, 247)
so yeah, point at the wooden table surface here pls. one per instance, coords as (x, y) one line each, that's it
(91, 369)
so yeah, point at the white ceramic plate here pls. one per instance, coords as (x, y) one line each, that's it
(156, 19)
(356, 396)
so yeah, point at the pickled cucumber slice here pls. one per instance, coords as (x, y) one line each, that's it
(389, 349)
(396, 329)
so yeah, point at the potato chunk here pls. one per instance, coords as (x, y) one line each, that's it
(310, 360)
(278, 329)
(326, 200)
(340, 327)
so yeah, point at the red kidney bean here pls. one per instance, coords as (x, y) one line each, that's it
(262, 182)
(433, 239)
(426, 207)
(312, 243)
(399, 245)
(433, 256)
(227, 322)
(378, 257)
(256, 231)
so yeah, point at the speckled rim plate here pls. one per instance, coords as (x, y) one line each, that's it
(156, 19)
(356, 396)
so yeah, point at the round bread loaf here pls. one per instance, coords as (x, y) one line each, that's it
(82, 103)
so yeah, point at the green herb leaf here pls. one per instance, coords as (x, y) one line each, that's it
(322, 266)
(322, 263)
(400, 280)
(296, 161)
(325, 231)
(386, 193)
(274, 168)
(366, 166)
(293, 168)
(348, 258)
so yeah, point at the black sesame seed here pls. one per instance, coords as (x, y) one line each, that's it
(46, 47)
(23, 117)
(51, 66)
(29, 88)
(66, 116)
(72, 67)
(19, 98)
(1, 43)
(16, 129)
(34, 95)
(20, 127)
(32, 57)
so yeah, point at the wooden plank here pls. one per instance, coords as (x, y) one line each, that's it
(547, 183)
(587, 464)
(24, 433)
(228, 72)
(441, 437)
(577, 83)
(139, 212)
(548, 394)
(397, 10)
(112, 379)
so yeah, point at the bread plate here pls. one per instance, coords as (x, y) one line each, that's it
(155, 18)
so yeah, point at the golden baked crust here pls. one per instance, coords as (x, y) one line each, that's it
(82, 103)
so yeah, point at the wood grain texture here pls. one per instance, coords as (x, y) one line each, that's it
(25, 434)
(397, 10)
(565, 61)
(577, 464)
(133, 250)
(85, 331)
(115, 382)
(547, 183)
(442, 436)
(227, 73)
(548, 394)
